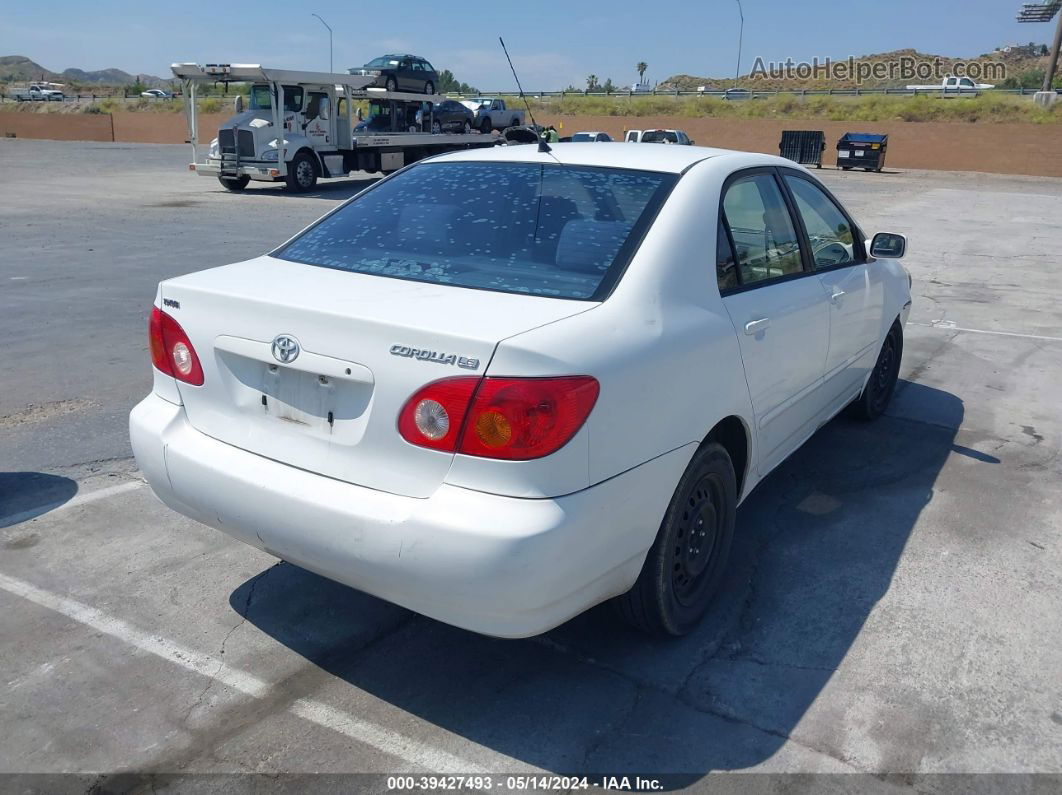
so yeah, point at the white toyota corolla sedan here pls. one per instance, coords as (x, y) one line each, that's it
(500, 387)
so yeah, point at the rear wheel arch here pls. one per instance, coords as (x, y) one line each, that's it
(732, 433)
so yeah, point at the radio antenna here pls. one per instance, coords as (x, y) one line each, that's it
(542, 145)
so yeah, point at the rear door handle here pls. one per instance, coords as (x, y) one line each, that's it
(837, 296)
(756, 326)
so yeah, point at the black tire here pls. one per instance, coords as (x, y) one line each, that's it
(876, 395)
(436, 127)
(485, 126)
(302, 173)
(846, 168)
(390, 84)
(429, 87)
(515, 122)
(234, 184)
(686, 563)
(467, 128)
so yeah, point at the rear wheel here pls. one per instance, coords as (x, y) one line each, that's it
(876, 395)
(234, 184)
(429, 88)
(485, 126)
(302, 173)
(468, 127)
(390, 84)
(686, 563)
(436, 127)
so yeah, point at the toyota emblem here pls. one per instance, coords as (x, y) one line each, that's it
(285, 348)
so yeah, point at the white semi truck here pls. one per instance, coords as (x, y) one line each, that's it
(302, 126)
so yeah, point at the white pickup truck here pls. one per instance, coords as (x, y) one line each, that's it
(954, 85)
(36, 93)
(491, 114)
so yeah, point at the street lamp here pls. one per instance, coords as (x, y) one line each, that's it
(329, 39)
(741, 32)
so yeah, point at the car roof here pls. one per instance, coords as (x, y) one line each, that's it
(669, 159)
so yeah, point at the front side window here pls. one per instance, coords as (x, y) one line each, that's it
(765, 242)
(560, 231)
(829, 232)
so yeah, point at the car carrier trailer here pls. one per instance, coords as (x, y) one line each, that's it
(315, 112)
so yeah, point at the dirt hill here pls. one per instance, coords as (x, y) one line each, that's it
(19, 68)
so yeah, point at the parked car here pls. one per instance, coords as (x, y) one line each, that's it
(448, 116)
(401, 73)
(496, 388)
(737, 94)
(156, 93)
(37, 93)
(657, 137)
(493, 114)
(585, 137)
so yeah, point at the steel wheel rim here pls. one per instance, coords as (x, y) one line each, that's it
(883, 372)
(694, 552)
(304, 174)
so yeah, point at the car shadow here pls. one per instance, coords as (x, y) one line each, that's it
(340, 189)
(817, 545)
(27, 495)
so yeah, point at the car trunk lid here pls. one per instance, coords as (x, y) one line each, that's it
(366, 343)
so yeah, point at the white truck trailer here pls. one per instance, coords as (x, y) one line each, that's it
(321, 134)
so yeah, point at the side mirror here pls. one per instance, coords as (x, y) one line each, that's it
(238, 103)
(887, 245)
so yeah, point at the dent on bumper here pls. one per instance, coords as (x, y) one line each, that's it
(498, 565)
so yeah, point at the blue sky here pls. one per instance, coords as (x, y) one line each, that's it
(553, 44)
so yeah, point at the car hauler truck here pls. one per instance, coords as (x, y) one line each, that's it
(315, 112)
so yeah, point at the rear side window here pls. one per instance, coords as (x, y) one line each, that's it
(559, 231)
(765, 242)
(659, 137)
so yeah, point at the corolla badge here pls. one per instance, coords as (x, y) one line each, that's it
(285, 348)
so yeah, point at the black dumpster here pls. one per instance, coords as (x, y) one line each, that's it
(862, 150)
(803, 146)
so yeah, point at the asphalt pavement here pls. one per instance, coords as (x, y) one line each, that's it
(892, 606)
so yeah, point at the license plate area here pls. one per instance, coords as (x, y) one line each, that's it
(325, 399)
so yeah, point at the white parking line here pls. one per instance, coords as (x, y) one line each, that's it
(73, 502)
(414, 751)
(949, 325)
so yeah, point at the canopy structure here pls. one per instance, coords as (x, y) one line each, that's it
(1039, 12)
(1045, 12)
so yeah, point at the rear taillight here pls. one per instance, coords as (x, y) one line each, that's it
(171, 350)
(515, 419)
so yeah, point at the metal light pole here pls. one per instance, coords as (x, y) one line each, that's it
(330, 69)
(741, 33)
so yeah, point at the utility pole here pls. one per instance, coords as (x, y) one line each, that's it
(1052, 61)
(330, 68)
(1045, 11)
(741, 33)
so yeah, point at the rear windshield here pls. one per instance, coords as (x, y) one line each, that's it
(659, 137)
(550, 230)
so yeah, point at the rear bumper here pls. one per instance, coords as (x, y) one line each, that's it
(497, 565)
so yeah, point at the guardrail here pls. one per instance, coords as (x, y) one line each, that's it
(798, 92)
(720, 94)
